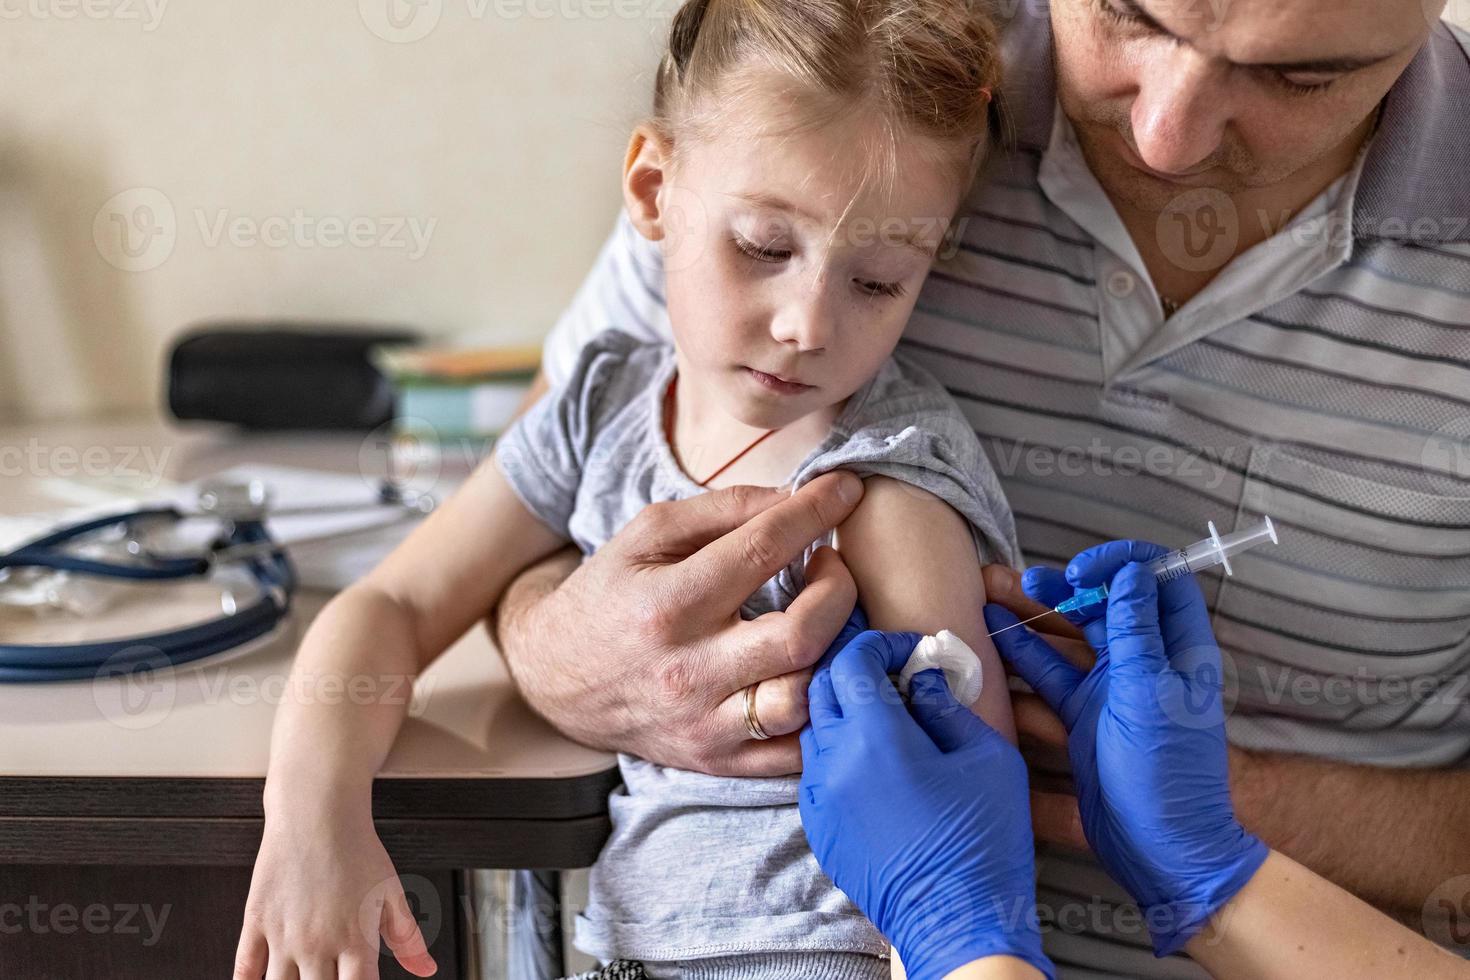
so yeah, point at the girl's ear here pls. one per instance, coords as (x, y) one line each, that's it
(644, 173)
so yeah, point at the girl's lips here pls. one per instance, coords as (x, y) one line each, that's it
(776, 384)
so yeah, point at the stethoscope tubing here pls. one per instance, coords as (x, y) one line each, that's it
(70, 661)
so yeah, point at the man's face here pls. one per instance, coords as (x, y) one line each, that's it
(1170, 95)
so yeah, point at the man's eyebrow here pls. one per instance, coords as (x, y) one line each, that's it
(1310, 66)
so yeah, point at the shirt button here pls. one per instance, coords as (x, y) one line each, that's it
(1121, 284)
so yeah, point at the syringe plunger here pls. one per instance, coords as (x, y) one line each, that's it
(1214, 550)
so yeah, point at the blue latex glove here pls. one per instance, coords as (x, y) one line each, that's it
(924, 819)
(1146, 736)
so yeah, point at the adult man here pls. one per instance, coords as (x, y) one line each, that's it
(1230, 276)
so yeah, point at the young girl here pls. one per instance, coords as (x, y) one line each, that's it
(803, 163)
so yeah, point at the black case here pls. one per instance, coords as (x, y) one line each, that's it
(283, 376)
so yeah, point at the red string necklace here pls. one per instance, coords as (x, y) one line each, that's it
(669, 430)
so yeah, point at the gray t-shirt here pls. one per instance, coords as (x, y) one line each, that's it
(701, 865)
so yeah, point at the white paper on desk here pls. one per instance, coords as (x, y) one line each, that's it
(338, 562)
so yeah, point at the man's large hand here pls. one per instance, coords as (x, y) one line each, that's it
(642, 648)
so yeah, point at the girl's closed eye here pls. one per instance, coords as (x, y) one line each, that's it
(874, 288)
(771, 255)
(760, 253)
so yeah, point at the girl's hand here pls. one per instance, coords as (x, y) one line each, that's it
(322, 893)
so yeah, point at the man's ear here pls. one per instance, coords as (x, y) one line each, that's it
(644, 171)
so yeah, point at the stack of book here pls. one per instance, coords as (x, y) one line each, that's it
(456, 399)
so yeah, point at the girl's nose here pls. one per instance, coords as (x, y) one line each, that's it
(1180, 112)
(806, 320)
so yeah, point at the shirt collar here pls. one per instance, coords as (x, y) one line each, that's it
(1413, 185)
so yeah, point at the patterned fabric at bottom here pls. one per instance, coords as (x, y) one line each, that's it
(616, 970)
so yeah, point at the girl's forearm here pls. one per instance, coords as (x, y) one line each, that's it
(345, 700)
(1288, 922)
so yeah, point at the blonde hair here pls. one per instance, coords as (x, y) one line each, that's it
(921, 66)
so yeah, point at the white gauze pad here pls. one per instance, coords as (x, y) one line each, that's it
(948, 653)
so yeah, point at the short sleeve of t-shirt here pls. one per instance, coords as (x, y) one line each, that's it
(544, 453)
(909, 429)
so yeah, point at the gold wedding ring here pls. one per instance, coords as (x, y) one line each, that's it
(752, 721)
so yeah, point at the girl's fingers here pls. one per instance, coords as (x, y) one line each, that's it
(251, 955)
(401, 932)
(282, 967)
(355, 965)
(319, 969)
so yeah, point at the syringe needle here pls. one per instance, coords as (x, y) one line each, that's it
(1022, 622)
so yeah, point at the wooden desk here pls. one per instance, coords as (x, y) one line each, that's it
(152, 795)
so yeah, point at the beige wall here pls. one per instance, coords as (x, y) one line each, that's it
(240, 140)
(498, 135)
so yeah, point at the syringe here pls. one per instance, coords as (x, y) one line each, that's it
(1211, 551)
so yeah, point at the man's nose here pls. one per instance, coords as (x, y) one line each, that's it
(1180, 112)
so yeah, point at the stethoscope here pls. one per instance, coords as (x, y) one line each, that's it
(242, 509)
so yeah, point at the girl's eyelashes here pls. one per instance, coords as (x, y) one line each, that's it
(768, 254)
(760, 253)
(880, 288)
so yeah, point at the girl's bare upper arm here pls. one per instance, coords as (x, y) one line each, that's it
(913, 558)
(450, 571)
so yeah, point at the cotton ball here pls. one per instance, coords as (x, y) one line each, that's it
(952, 655)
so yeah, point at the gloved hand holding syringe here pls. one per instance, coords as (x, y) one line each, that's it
(1206, 553)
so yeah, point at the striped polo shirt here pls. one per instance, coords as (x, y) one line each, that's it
(1321, 378)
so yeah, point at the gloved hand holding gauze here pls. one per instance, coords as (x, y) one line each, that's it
(947, 652)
